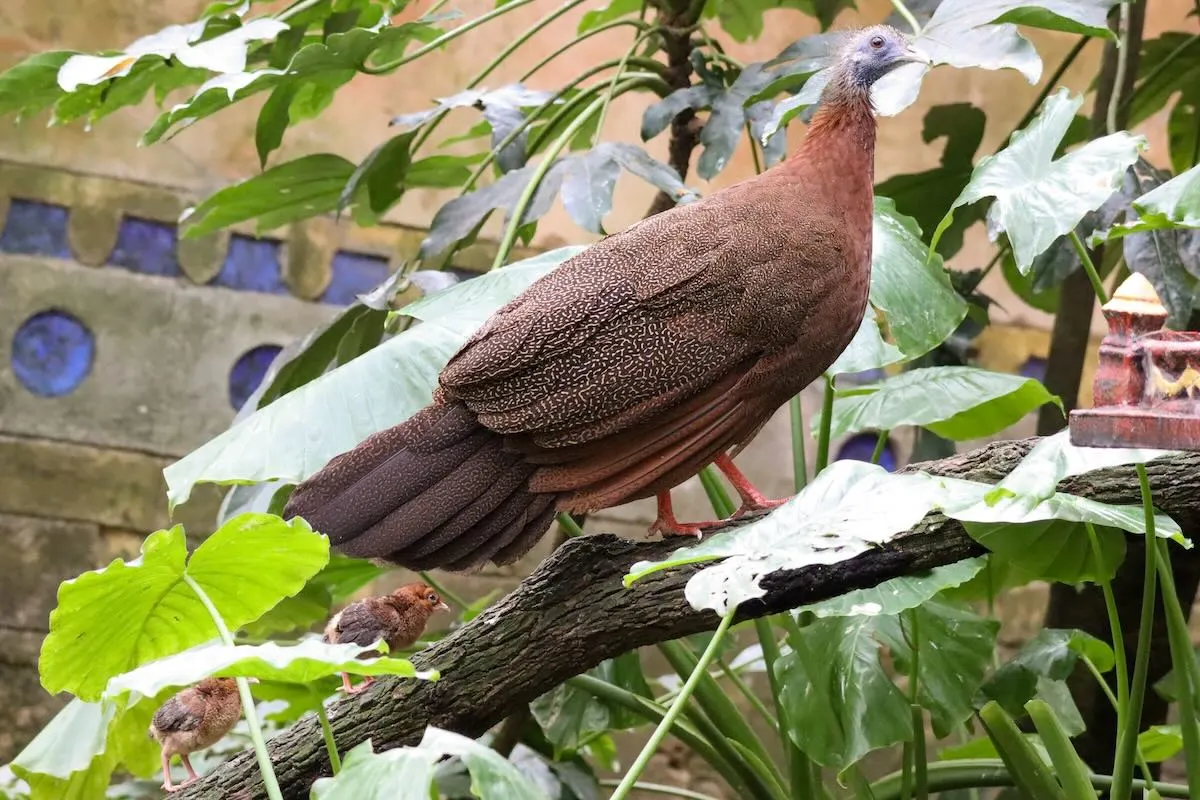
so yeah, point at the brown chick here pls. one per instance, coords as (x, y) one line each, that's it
(195, 718)
(398, 618)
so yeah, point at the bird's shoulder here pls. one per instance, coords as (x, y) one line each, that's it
(183, 712)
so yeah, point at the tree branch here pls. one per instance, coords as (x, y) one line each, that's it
(573, 612)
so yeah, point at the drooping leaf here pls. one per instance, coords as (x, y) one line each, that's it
(1183, 133)
(1051, 657)
(851, 507)
(273, 119)
(923, 195)
(911, 290)
(380, 388)
(954, 402)
(1160, 742)
(112, 620)
(1160, 80)
(1038, 199)
(69, 742)
(1174, 204)
(379, 181)
(32, 85)
(304, 662)
(570, 717)
(614, 10)
(587, 190)
(898, 594)
(833, 680)
(867, 350)
(294, 190)
(465, 306)
(1169, 257)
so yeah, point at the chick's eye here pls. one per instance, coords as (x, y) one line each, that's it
(432, 598)
(877, 42)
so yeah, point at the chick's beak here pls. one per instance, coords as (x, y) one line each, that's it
(441, 606)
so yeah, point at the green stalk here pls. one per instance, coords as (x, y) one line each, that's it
(1187, 672)
(747, 693)
(799, 457)
(987, 773)
(1114, 624)
(335, 761)
(918, 718)
(445, 38)
(826, 426)
(880, 443)
(1027, 768)
(612, 86)
(256, 735)
(658, 788)
(1072, 773)
(1114, 101)
(722, 505)
(1141, 761)
(1089, 267)
(1130, 724)
(616, 23)
(801, 772)
(643, 758)
(724, 716)
(569, 525)
(903, 11)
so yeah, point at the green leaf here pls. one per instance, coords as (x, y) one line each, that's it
(833, 680)
(273, 120)
(1023, 285)
(1160, 742)
(302, 663)
(955, 647)
(898, 594)
(111, 620)
(441, 172)
(1159, 81)
(1051, 655)
(464, 307)
(1167, 256)
(911, 290)
(850, 508)
(381, 388)
(867, 350)
(923, 195)
(70, 741)
(1174, 204)
(295, 190)
(378, 182)
(614, 10)
(1183, 133)
(32, 85)
(957, 403)
(1038, 199)
(571, 718)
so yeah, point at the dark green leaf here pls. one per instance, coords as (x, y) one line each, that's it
(925, 196)
(32, 85)
(294, 190)
(955, 402)
(440, 172)
(955, 647)
(316, 94)
(1156, 84)
(1052, 656)
(833, 680)
(1023, 285)
(1174, 204)
(587, 189)
(898, 594)
(273, 120)
(1168, 257)
(1183, 133)
(658, 116)
(112, 620)
(379, 179)
(1037, 200)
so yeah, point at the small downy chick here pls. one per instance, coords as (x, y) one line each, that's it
(398, 618)
(195, 718)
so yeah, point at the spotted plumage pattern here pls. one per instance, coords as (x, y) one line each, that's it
(634, 364)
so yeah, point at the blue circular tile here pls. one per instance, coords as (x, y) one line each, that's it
(52, 353)
(248, 372)
(860, 446)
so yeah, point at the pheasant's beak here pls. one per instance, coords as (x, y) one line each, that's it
(913, 55)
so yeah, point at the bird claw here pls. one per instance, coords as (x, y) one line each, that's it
(360, 688)
(757, 505)
(665, 529)
(175, 787)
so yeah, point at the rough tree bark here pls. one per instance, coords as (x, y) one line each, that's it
(573, 612)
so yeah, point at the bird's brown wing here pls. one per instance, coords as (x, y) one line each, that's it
(639, 323)
(175, 716)
(363, 623)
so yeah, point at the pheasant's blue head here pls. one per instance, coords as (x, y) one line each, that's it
(874, 52)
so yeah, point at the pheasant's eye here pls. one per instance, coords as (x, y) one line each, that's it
(877, 42)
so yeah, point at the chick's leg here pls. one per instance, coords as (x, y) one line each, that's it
(752, 499)
(166, 767)
(192, 777)
(362, 687)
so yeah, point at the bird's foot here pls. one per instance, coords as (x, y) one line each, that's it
(362, 687)
(666, 524)
(757, 505)
(175, 787)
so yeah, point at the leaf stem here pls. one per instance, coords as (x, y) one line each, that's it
(799, 435)
(658, 788)
(982, 773)
(335, 761)
(747, 693)
(1187, 672)
(826, 426)
(1089, 267)
(689, 686)
(1121, 701)
(1130, 724)
(448, 36)
(616, 23)
(1112, 699)
(569, 525)
(256, 734)
(612, 86)
(903, 11)
(1114, 101)
(880, 443)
